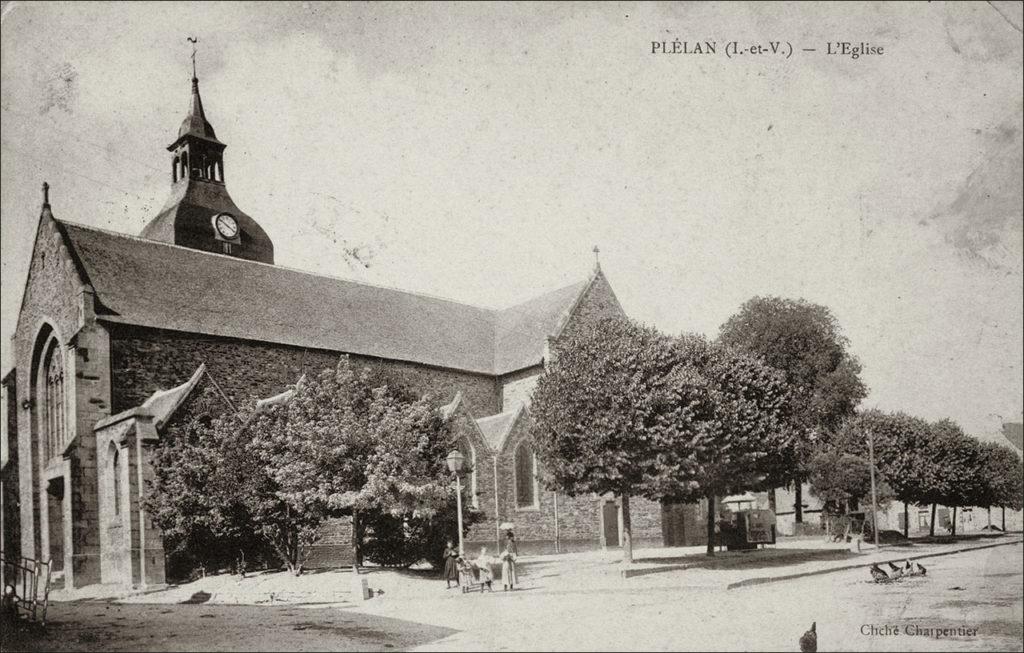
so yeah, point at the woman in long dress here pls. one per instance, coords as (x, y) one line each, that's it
(508, 562)
(451, 567)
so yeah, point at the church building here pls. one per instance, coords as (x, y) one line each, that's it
(117, 333)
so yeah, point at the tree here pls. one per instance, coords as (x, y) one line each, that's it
(343, 444)
(904, 456)
(404, 540)
(805, 342)
(730, 432)
(602, 412)
(1002, 479)
(958, 459)
(190, 499)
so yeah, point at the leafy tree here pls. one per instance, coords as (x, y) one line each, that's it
(904, 456)
(1003, 478)
(958, 459)
(404, 540)
(602, 413)
(201, 519)
(342, 443)
(729, 432)
(805, 342)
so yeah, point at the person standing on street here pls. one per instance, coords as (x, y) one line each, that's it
(451, 567)
(508, 562)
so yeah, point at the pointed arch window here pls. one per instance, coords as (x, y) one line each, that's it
(54, 414)
(526, 476)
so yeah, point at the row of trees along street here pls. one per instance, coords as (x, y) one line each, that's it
(621, 408)
(625, 409)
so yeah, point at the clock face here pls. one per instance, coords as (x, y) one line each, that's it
(226, 225)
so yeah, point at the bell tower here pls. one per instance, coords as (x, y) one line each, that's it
(199, 213)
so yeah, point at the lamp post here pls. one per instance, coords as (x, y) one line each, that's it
(455, 460)
(874, 498)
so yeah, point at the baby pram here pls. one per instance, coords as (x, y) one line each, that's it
(472, 576)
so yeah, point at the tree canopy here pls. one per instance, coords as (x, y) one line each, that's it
(625, 409)
(338, 443)
(603, 412)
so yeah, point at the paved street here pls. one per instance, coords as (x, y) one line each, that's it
(978, 590)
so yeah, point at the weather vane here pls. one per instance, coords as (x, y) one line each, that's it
(597, 254)
(193, 40)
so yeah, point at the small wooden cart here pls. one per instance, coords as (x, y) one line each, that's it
(472, 577)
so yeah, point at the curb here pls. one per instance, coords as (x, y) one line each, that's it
(633, 573)
(774, 579)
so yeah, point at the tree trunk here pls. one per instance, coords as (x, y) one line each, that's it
(711, 524)
(357, 539)
(772, 505)
(798, 503)
(906, 519)
(954, 521)
(1004, 519)
(931, 523)
(627, 531)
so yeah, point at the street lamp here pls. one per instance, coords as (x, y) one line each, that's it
(455, 460)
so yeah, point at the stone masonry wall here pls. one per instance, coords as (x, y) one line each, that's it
(56, 300)
(517, 387)
(146, 360)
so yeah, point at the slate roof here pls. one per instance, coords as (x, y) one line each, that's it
(160, 405)
(496, 428)
(195, 123)
(525, 327)
(153, 284)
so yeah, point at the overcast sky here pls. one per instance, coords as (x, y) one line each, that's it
(479, 152)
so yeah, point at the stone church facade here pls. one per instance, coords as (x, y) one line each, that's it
(118, 334)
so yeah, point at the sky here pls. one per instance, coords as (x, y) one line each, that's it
(479, 152)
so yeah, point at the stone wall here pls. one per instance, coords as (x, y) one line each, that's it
(10, 540)
(56, 301)
(517, 387)
(146, 360)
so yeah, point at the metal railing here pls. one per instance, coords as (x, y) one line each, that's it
(31, 582)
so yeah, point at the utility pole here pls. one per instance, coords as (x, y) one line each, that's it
(874, 498)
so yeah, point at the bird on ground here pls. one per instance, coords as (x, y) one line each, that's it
(921, 569)
(896, 571)
(908, 568)
(879, 575)
(809, 640)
